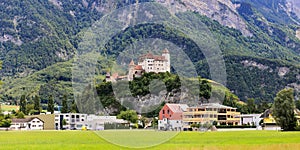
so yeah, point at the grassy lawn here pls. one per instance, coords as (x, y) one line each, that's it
(185, 140)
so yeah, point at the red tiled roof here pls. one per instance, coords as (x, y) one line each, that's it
(151, 56)
(138, 67)
(177, 107)
(159, 58)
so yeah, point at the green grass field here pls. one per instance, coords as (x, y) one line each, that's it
(185, 140)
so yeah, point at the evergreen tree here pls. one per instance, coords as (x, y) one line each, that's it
(283, 110)
(23, 104)
(251, 105)
(205, 90)
(74, 108)
(64, 108)
(37, 102)
(50, 104)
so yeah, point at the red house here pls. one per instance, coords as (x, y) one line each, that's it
(172, 111)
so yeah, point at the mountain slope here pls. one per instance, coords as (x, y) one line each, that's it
(258, 40)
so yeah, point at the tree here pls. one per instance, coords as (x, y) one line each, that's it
(50, 107)
(251, 105)
(74, 108)
(205, 90)
(129, 115)
(297, 103)
(5, 123)
(36, 106)
(20, 115)
(283, 110)
(23, 104)
(0, 69)
(64, 108)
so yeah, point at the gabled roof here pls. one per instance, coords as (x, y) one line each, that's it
(266, 113)
(159, 58)
(15, 120)
(131, 63)
(149, 55)
(177, 107)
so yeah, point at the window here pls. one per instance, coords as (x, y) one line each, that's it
(168, 111)
(163, 111)
(38, 121)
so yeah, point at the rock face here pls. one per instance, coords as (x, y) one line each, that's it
(294, 6)
(223, 11)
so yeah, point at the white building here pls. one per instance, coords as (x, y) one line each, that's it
(33, 123)
(166, 124)
(75, 121)
(251, 119)
(70, 121)
(97, 122)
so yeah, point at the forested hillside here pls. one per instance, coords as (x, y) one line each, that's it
(38, 40)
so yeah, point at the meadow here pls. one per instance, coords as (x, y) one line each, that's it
(78, 140)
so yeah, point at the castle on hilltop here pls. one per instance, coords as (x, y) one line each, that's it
(146, 63)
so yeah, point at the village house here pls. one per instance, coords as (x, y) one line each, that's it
(269, 122)
(32, 123)
(170, 117)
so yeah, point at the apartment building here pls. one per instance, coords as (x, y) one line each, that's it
(211, 112)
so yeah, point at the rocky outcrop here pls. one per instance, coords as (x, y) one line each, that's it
(223, 11)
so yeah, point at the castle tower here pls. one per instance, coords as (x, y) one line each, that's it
(131, 70)
(166, 54)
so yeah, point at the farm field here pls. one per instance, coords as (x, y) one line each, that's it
(9, 107)
(184, 140)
